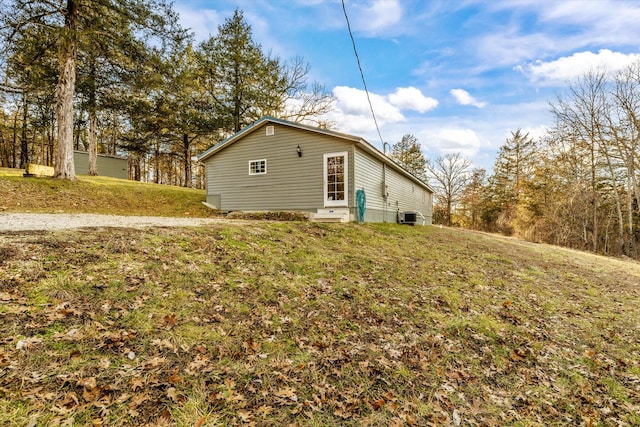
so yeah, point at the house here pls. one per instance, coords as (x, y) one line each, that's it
(278, 165)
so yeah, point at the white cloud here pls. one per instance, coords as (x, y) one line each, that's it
(464, 98)
(352, 113)
(457, 140)
(410, 98)
(354, 101)
(535, 133)
(560, 27)
(608, 21)
(508, 46)
(603, 22)
(570, 67)
(375, 15)
(202, 22)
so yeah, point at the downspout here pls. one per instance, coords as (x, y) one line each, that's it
(385, 192)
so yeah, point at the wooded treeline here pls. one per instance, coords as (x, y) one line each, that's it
(579, 185)
(121, 77)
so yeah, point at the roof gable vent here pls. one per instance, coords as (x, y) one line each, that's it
(270, 130)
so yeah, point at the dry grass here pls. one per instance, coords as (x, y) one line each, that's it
(307, 324)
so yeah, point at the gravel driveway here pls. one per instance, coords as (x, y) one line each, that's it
(49, 222)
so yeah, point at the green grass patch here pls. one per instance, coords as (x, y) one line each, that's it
(100, 195)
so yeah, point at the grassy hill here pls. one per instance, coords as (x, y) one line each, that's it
(98, 195)
(294, 323)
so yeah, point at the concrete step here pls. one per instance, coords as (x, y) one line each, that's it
(331, 215)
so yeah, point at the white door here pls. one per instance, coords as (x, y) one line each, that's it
(335, 179)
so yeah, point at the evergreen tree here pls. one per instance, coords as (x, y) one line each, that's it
(408, 154)
(512, 167)
(74, 24)
(190, 113)
(245, 84)
(234, 67)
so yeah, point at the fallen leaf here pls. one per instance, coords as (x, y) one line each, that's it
(170, 320)
(174, 378)
(122, 398)
(198, 364)
(342, 413)
(287, 392)
(519, 354)
(67, 404)
(265, 411)
(91, 395)
(377, 404)
(163, 343)
(87, 383)
(172, 394)
(138, 400)
(136, 383)
(245, 416)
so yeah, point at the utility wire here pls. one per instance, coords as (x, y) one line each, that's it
(353, 42)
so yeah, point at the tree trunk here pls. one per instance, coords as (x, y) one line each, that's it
(594, 199)
(51, 140)
(156, 172)
(93, 142)
(64, 167)
(24, 147)
(4, 150)
(93, 123)
(14, 144)
(187, 159)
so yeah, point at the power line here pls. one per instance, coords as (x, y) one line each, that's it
(353, 42)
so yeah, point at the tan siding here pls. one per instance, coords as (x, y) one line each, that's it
(291, 182)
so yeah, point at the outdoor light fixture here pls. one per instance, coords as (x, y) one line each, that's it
(299, 150)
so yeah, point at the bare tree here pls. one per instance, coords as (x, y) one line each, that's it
(582, 113)
(451, 174)
(627, 142)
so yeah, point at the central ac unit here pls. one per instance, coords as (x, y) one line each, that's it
(408, 218)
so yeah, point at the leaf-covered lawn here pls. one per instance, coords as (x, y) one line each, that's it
(308, 324)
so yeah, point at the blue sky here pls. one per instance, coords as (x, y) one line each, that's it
(460, 75)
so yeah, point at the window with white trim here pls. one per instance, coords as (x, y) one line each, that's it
(258, 167)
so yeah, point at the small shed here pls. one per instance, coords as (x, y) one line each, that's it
(112, 166)
(278, 165)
